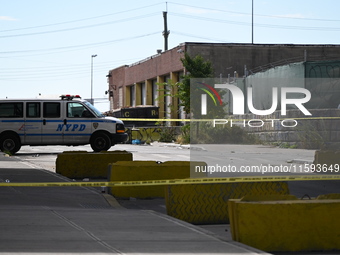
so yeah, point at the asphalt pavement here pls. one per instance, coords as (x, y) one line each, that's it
(71, 220)
(75, 220)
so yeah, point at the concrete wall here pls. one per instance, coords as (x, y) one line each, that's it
(227, 58)
(321, 78)
(262, 83)
(319, 131)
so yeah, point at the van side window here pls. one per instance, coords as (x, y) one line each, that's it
(74, 110)
(51, 110)
(11, 110)
(32, 110)
(77, 110)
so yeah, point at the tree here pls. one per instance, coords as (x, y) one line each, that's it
(198, 78)
(196, 68)
(168, 90)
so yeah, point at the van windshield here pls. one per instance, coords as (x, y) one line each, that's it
(94, 109)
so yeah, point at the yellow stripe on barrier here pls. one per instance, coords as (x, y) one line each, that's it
(175, 181)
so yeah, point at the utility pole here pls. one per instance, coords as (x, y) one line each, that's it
(252, 21)
(166, 32)
(92, 56)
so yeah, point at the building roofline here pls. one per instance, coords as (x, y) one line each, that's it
(261, 44)
(185, 44)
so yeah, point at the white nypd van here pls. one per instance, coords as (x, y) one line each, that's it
(65, 121)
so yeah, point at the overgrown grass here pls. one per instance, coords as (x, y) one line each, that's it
(205, 133)
(313, 135)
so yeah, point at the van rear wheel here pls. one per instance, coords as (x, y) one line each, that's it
(100, 142)
(10, 144)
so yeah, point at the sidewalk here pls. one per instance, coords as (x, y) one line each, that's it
(73, 220)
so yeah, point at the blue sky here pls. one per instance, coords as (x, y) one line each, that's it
(46, 46)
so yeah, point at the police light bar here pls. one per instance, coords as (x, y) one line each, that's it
(69, 97)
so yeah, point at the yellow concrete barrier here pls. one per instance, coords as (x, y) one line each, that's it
(149, 170)
(207, 203)
(83, 164)
(286, 224)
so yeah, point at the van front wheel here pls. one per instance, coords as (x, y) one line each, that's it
(10, 144)
(100, 142)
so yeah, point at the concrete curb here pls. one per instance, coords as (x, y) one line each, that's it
(179, 146)
(207, 233)
(300, 161)
(112, 201)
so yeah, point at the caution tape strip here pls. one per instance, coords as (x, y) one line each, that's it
(175, 181)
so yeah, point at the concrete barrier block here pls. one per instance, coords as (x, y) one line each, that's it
(286, 225)
(83, 164)
(149, 170)
(208, 203)
(328, 158)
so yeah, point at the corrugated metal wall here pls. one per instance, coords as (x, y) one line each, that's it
(321, 78)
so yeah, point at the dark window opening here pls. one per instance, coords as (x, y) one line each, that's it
(11, 110)
(33, 110)
(51, 110)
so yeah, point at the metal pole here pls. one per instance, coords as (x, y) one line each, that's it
(166, 32)
(252, 21)
(93, 56)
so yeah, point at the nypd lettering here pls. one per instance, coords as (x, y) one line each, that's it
(71, 127)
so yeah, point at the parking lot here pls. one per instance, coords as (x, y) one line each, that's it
(237, 156)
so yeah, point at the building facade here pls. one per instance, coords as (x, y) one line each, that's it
(141, 84)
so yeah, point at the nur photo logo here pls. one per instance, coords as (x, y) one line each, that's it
(209, 90)
(279, 94)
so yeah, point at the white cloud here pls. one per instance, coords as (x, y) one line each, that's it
(7, 18)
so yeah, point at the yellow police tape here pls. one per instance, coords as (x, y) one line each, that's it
(175, 181)
(211, 120)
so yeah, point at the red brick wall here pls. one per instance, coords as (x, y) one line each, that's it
(157, 65)
(116, 80)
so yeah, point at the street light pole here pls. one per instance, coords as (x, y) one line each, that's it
(93, 56)
(252, 21)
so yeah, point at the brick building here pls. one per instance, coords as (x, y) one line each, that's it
(135, 85)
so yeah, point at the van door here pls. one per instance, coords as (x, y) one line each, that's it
(33, 123)
(78, 127)
(52, 123)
